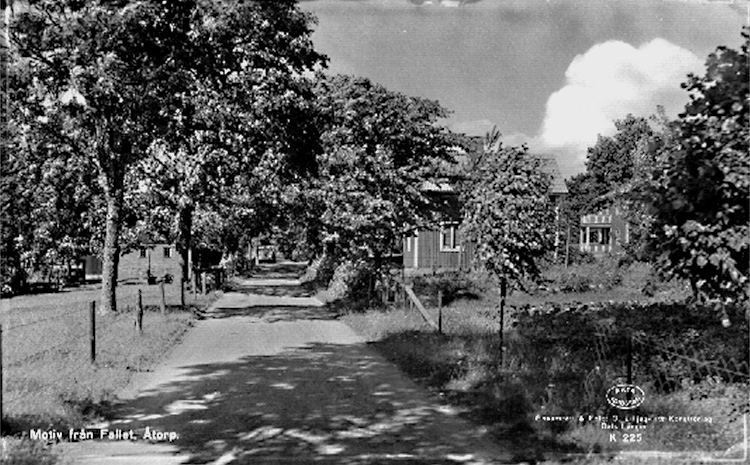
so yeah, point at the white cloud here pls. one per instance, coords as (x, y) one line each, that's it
(603, 84)
(606, 83)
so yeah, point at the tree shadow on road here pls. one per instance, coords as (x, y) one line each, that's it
(276, 290)
(284, 270)
(273, 313)
(325, 403)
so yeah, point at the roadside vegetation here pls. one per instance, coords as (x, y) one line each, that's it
(667, 317)
(48, 378)
(563, 349)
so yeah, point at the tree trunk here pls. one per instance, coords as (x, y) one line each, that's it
(503, 294)
(110, 255)
(184, 242)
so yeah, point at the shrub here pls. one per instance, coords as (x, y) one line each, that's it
(320, 270)
(603, 274)
(26, 452)
(454, 285)
(354, 281)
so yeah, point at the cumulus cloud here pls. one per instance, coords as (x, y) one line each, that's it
(609, 81)
(603, 84)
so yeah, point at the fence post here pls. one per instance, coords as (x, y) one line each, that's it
(440, 312)
(203, 278)
(163, 302)
(1, 380)
(93, 331)
(630, 358)
(140, 311)
(182, 291)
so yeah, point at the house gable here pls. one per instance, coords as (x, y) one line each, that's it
(444, 248)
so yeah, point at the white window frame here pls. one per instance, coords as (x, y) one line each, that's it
(451, 228)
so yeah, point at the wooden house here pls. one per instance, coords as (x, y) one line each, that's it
(444, 248)
(152, 257)
(604, 232)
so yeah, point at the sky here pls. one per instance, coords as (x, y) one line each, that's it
(553, 74)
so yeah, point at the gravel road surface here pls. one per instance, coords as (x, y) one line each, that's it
(270, 376)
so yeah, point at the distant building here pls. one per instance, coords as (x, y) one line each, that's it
(444, 248)
(604, 232)
(152, 257)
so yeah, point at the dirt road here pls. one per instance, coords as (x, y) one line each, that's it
(269, 376)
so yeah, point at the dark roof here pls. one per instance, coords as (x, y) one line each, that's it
(549, 166)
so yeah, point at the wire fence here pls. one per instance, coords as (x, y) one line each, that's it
(48, 350)
(695, 378)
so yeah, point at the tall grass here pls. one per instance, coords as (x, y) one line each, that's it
(49, 379)
(463, 364)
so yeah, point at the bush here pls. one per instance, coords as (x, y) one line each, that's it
(354, 281)
(603, 274)
(26, 452)
(454, 285)
(320, 271)
(576, 257)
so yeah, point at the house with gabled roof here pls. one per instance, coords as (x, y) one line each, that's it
(154, 256)
(444, 248)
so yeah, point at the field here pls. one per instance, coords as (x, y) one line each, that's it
(561, 352)
(49, 380)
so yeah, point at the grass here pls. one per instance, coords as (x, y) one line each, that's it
(462, 366)
(49, 379)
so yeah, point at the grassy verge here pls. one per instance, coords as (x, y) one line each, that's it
(547, 365)
(49, 379)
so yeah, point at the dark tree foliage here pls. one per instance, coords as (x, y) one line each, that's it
(111, 83)
(609, 167)
(379, 147)
(698, 194)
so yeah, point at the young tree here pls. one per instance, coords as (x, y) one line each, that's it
(508, 213)
(700, 200)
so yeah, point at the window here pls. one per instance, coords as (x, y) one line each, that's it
(143, 252)
(449, 237)
(167, 252)
(599, 236)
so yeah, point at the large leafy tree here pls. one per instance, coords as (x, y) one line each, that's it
(116, 82)
(698, 195)
(49, 196)
(249, 128)
(609, 167)
(508, 213)
(103, 83)
(378, 149)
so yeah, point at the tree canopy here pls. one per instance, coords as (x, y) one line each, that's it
(507, 210)
(698, 194)
(378, 148)
(609, 167)
(110, 83)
